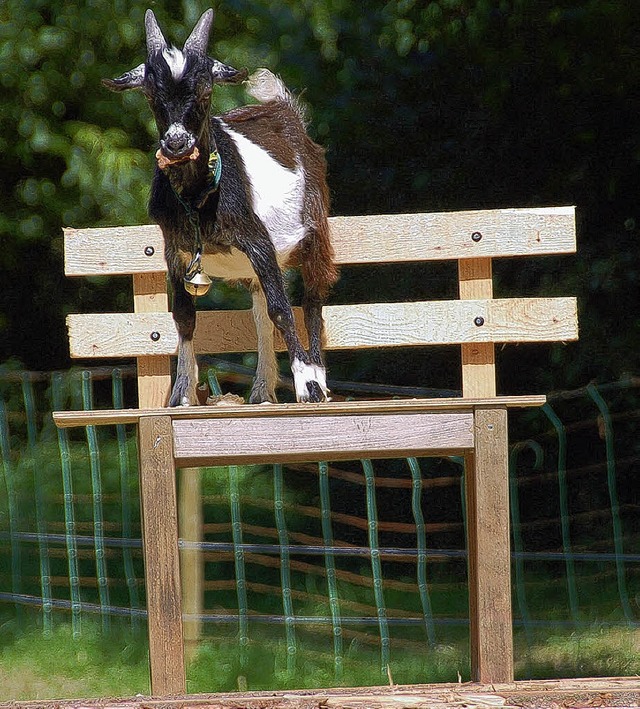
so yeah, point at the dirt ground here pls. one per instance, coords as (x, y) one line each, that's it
(546, 694)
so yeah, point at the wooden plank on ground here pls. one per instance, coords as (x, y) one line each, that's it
(361, 239)
(347, 327)
(161, 562)
(530, 694)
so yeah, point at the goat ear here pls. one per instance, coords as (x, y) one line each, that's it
(130, 80)
(225, 74)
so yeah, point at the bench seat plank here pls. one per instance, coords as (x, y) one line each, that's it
(69, 419)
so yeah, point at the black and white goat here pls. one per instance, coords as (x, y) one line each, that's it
(247, 192)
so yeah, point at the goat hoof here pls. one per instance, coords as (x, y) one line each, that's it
(183, 394)
(316, 393)
(260, 394)
(310, 382)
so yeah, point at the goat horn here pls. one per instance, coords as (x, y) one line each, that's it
(155, 39)
(199, 38)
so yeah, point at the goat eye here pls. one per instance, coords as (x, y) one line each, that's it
(205, 93)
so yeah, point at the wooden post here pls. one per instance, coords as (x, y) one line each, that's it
(154, 373)
(487, 494)
(478, 358)
(191, 568)
(161, 562)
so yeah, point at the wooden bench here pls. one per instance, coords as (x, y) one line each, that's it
(473, 426)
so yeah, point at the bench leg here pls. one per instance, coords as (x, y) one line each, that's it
(161, 562)
(191, 563)
(487, 494)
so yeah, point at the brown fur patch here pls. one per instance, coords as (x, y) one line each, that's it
(273, 126)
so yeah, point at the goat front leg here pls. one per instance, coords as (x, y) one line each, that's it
(184, 315)
(305, 374)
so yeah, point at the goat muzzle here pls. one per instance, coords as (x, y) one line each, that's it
(164, 161)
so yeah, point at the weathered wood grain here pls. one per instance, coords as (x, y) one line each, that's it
(346, 326)
(362, 239)
(475, 278)
(448, 235)
(107, 417)
(190, 522)
(307, 438)
(603, 693)
(488, 543)
(114, 250)
(161, 562)
(154, 373)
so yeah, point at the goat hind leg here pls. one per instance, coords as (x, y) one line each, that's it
(319, 273)
(184, 388)
(263, 260)
(312, 308)
(264, 385)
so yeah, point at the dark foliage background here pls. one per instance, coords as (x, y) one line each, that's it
(422, 106)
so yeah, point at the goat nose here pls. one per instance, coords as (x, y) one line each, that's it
(177, 141)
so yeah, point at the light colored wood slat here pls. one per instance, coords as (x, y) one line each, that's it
(487, 495)
(308, 438)
(478, 359)
(448, 235)
(362, 239)
(451, 322)
(121, 335)
(68, 419)
(346, 326)
(114, 250)
(154, 373)
(161, 563)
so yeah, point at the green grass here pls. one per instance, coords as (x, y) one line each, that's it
(33, 666)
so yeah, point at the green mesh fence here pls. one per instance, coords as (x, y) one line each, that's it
(358, 559)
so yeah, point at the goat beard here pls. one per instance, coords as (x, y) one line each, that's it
(164, 161)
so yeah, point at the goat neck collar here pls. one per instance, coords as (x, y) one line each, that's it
(214, 173)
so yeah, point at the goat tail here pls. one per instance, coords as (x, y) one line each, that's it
(265, 86)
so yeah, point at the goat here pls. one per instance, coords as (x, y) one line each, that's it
(241, 196)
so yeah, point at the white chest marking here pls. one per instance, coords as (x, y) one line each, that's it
(277, 193)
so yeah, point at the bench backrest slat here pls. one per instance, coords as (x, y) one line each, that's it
(347, 327)
(369, 239)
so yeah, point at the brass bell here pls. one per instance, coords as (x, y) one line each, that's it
(197, 283)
